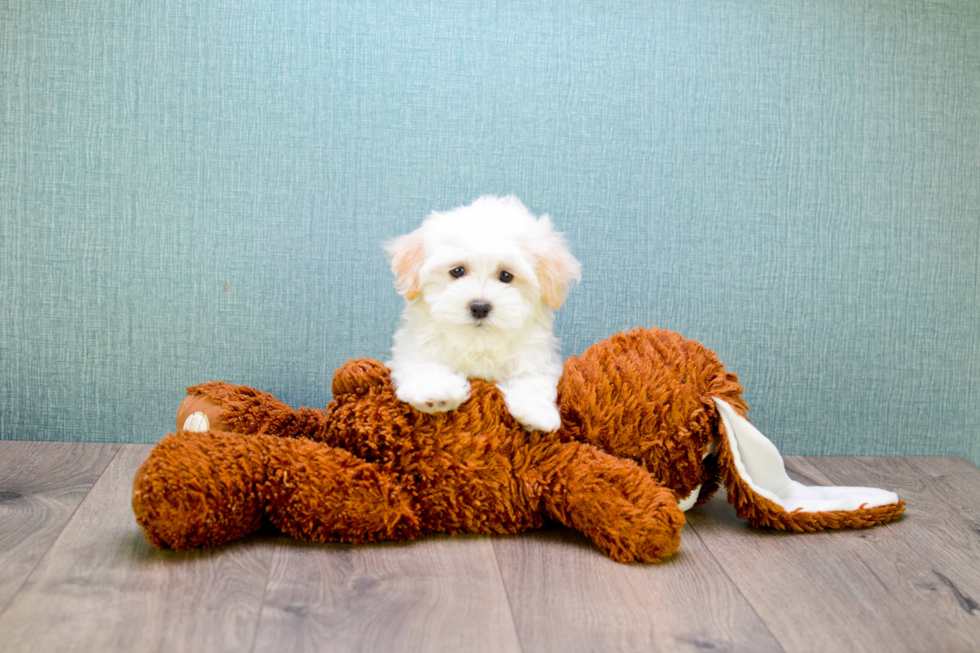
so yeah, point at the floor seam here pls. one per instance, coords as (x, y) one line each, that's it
(738, 589)
(265, 592)
(13, 597)
(510, 605)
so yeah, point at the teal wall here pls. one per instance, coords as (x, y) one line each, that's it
(198, 190)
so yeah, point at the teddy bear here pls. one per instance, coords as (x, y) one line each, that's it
(651, 423)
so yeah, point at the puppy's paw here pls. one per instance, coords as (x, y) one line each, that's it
(531, 400)
(434, 394)
(535, 415)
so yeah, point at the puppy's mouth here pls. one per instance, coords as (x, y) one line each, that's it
(484, 323)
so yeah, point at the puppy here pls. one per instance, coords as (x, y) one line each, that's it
(482, 283)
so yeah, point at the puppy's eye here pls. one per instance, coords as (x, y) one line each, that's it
(505, 276)
(457, 272)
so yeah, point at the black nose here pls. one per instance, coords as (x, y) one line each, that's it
(480, 308)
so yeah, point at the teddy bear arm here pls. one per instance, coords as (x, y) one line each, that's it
(612, 501)
(240, 409)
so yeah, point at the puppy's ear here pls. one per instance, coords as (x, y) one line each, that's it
(554, 264)
(407, 254)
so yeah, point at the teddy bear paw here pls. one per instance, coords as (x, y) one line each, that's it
(197, 422)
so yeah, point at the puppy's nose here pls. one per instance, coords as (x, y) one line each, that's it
(480, 308)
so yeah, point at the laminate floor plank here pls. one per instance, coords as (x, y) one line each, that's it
(942, 525)
(852, 590)
(435, 594)
(102, 587)
(41, 486)
(955, 484)
(567, 596)
(77, 575)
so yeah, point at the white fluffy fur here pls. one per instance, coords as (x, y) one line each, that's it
(441, 344)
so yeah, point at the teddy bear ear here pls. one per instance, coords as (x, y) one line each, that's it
(358, 376)
(555, 266)
(407, 255)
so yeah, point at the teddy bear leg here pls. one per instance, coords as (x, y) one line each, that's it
(613, 501)
(221, 406)
(325, 494)
(199, 490)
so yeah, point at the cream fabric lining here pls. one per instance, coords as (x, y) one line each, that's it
(760, 465)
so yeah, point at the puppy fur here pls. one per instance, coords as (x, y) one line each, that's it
(482, 283)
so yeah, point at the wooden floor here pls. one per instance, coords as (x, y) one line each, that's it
(76, 575)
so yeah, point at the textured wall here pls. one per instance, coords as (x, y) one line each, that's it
(193, 191)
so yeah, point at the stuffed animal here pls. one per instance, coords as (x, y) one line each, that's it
(651, 422)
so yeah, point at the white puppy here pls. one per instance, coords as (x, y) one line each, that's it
(482, 282)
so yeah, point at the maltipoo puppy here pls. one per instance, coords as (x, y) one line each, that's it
(482, 283)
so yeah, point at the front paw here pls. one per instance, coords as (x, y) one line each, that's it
(434, 394)
(535, 415)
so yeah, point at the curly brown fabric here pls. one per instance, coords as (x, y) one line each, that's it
(646, 395)
(637, 422)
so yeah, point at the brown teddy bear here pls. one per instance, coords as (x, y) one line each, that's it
(650, 423)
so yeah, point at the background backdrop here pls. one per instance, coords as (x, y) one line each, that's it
(199, 190)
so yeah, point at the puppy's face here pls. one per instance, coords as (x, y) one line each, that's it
(490, 265)
(479, 284)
